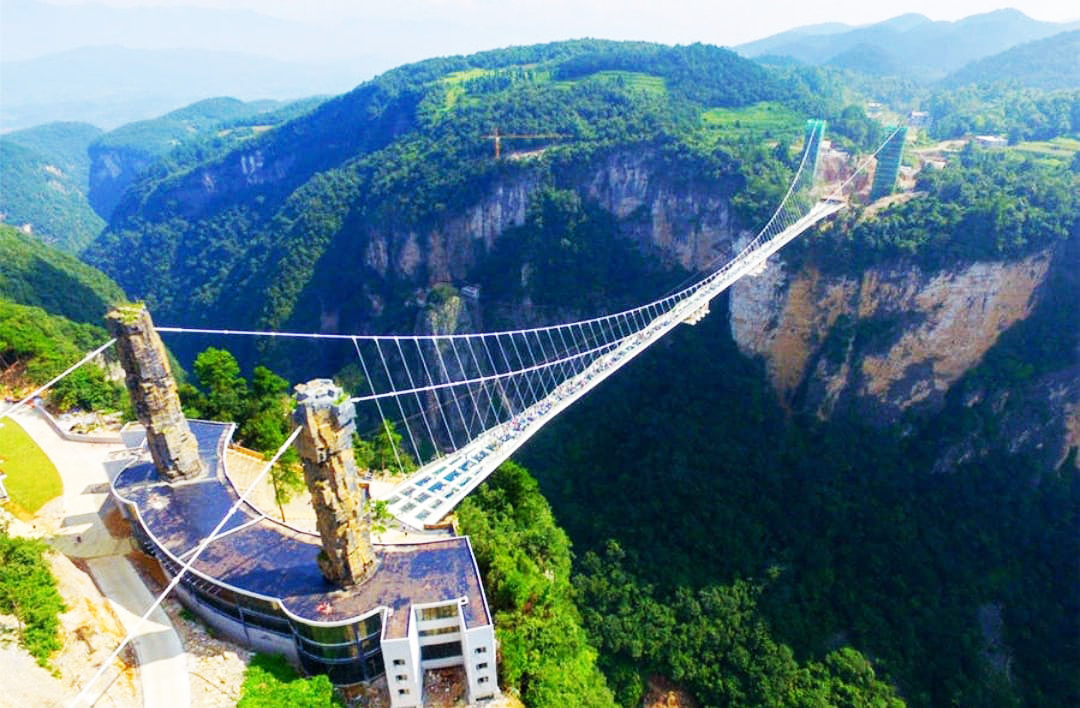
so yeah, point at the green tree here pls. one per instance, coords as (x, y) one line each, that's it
(28, 591)
(36, 346)
(271, 682)
(524, 558)
(86, 388)
(384, 452)
(363, 453)
(224, 390)
(265, 425)
(714, 641)
(261, 411)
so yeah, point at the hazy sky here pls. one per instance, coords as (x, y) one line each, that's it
(495, 23)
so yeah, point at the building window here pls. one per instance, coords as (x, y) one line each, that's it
(482, 666)
(482, 679)
(440, 651)
(399, 662)
(402, 677)
(481, 650)
(403, 691)
(440, 630)
(441, 612)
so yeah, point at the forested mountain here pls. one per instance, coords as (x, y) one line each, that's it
(51, 307)
(1051, 63)
(855, 482)
(63, 144)
(44, 173)
(909, 45)
(343, 212)
(33, 273)
(61, 181)
(119, 156)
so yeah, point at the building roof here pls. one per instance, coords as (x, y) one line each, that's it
(259, 555)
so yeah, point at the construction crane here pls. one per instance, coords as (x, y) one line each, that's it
(497, 138)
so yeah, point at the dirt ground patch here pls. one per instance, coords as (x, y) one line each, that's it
(90, 632)
(663, 693)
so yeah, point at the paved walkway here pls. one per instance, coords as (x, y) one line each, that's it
(162, 663)
(86, 469)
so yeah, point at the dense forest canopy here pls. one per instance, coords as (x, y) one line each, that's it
(32, 273)
(985, 205)
(51, 309)
(850, 535)
(36, 346)
(46, 193)
(1047, 64)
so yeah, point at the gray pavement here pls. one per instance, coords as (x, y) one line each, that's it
(86, 469)
(163, 668)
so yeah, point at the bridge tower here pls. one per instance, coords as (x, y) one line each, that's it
(337, 492)
(813, 135)
(888, 166)
(150, 383)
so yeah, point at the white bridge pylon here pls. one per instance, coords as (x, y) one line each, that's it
(464, 403)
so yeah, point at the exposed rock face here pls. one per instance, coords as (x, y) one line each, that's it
(153, 392)
(883, 342)
(448, 251)
(1040, 419)
(337, 494)
(111, 172)
(687, 224)
(448, 312)
(674, 221)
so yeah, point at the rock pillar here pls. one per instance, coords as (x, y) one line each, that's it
(153, 392)
(325, 444)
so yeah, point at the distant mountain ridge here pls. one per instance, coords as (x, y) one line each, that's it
(119, 156)
(44, 173)
(61, 181)
(1051, 63)
(377, 185)
(912, 44)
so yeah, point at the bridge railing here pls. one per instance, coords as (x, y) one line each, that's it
(439, 485)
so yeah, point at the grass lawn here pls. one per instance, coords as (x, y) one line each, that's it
(1062, 148)
(633, 80)
(767, 120)
(31, 479)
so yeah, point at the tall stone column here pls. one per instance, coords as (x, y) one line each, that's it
(339, 496)
(153, 392)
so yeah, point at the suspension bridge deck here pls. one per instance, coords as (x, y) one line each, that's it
(433, 491)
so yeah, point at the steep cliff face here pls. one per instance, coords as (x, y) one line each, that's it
(1039, 419)
(112, 170)
(687, 224)
(448, 250)
(878, 344)
(896, 338)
